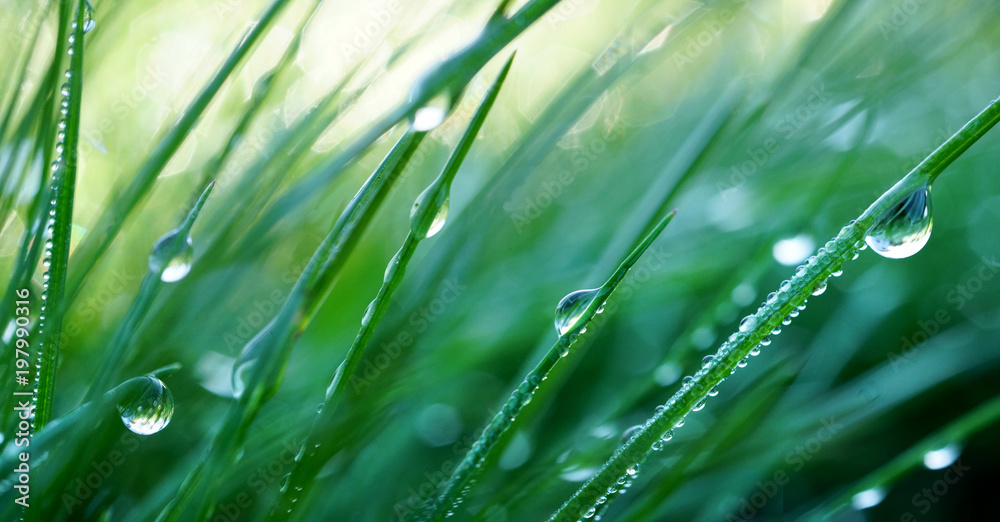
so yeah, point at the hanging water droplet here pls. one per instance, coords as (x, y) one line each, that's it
(590, 513)
(174, 267)
(436, 198)
(251, 354)
(432, 114)
(904, 229)
(669, 434)
(755, 351)
(88, 18)
(629, 432)
(943, 457)
(765, 341)
(148, 409)
(570, 309)
(743, 362)
(868, 498)
(819, 288)
(700, 405)
(714, 391)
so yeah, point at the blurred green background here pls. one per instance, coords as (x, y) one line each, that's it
(761, 121)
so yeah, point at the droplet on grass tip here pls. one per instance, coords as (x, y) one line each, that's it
(905, 228)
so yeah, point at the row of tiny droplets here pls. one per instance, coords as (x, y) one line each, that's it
(57, 170)
(836, 259)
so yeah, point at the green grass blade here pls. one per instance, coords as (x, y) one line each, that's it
(957, 431)
(424, 221)
(451, 76)
(462, 476)
(61, 212)
(770, 316)
(109, 224)
(148, 290)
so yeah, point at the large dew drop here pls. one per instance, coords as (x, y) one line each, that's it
(430, 196)
(905, 229)
(433, 114)
(176, 267)
(571, 308)
(149, 409)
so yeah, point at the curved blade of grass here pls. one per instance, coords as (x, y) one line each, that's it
(61, 210)
(148, 290)
(450, 76)
(460, 479)
(791, 295)
(957, 431)
(281, 334)
(304, 470)
(108, 225)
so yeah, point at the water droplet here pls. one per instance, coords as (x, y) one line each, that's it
(245, 364)
(765, 341)
(283, 486)
(904, 229)
(868, 498)
(745, 323)
(432, 195)
(700, 405)
(785, 286)
(590, 513)
(942, 458)
(176, 267)
(743, 362)
(755, 351)
(714, 391)
(88, 18)
(667, 436)
(433, 114)
(570, 309)
(629, 432)
(707, 360)
(148, 409)
(819, 288)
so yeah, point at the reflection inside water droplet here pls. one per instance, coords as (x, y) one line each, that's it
(433, 114)
(868, 498)
(149, 409)
(905, 228)
(174, 267)
(570, 309)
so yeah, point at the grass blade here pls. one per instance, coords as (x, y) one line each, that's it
(504, 419)
(148, 290)
(425, 220)
(770, 316)
(108, 225)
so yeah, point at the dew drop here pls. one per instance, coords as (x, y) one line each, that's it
(433, 114)
(667, 436)
(707, 360)
(176, 267)
(765, 341)
(247, 361)
(149, 409)
(714, 391)
(819, 288)
(743, 363)
(868, 498)
(700, 405)
(905, 228)
(432, 195)
(943, 457)
(745, 323)
(570, 309)
(755, 351)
